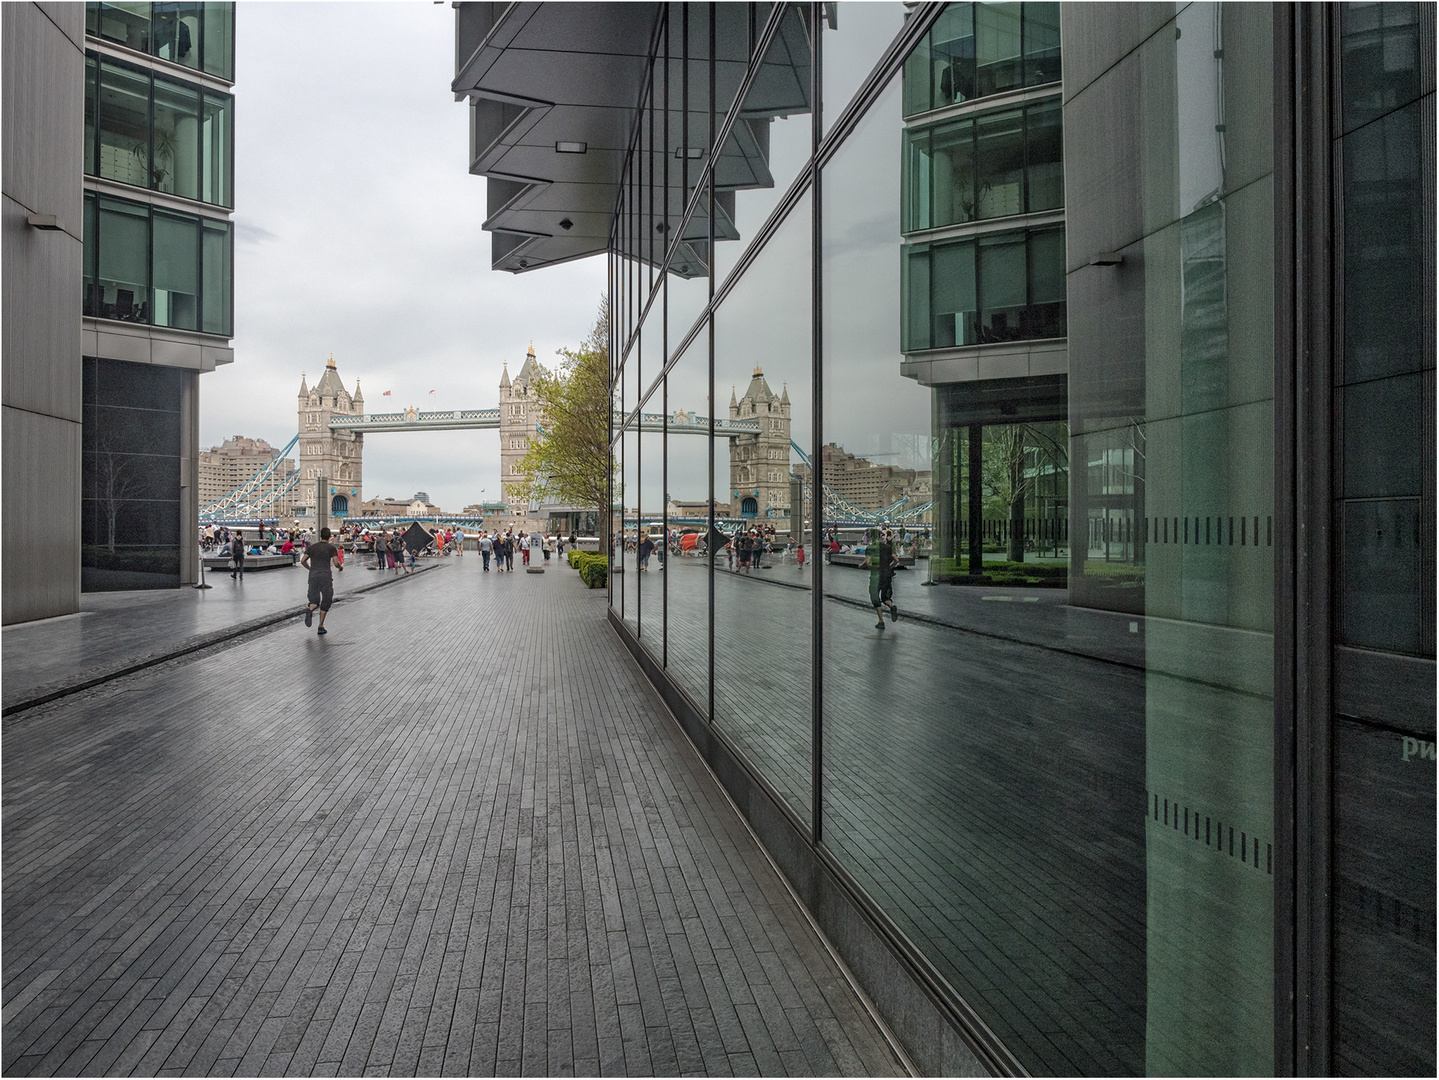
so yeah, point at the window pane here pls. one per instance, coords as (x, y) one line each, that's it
(92, 90)
(1044, 156)
(123, 237)
(854, 36)
(219, 39)
(954, 177)
(916, 180)
(216, 139)
(91, 302)
(763, 336)
(771, 142)
(916, 314)
(1000, 155)
(954, 296)
(1046, 266)
(177, 139)
(1003, 277)
(216, 278)
(176, 33)
(951, 57)
(126, 24)
(124, 124)
(687, 567)
(997, 48)
(1041, 44)
(177, 271)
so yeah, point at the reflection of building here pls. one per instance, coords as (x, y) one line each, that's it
(982, 214)
(1163, 798)
(334, 456)
(117, 289)
(681, 509)
(867, 485)
(228, 466)
(759, 464)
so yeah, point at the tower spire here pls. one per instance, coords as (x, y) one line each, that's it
(331, 362)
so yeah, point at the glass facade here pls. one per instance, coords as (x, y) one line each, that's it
(200, 36)
(144, 129)
(1384, 870)
(157, 267)
(131, 518)
(968, 491)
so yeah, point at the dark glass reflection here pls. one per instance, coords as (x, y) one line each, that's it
(131, 528)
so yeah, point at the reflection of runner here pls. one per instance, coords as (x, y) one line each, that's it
(880, 558)
(317, 560)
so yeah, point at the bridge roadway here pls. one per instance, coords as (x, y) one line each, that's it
(678, 422)
(412, 847)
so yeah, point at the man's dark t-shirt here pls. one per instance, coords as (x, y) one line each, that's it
(320, 555)
(886, 563)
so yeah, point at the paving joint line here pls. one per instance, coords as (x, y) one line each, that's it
(191, 645)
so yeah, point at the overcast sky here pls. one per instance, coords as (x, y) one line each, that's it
(357, 233)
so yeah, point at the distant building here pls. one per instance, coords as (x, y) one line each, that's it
(867, 485)
(685, 509)
(226, 467)
(391, 507)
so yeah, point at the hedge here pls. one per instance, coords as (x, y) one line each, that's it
(594, 568)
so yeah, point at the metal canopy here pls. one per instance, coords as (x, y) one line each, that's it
(540, 76)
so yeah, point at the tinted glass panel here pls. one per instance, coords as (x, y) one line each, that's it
(177, 139)
(124, 124)
(177, 272)
(176, 32)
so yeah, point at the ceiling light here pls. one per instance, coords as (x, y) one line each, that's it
(566, 224)
(571, 147)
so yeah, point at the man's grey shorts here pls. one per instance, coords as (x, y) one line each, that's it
(322, 592)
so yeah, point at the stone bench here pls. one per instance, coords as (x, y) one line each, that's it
(252, 562)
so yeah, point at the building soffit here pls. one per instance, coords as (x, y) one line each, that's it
(546, 73)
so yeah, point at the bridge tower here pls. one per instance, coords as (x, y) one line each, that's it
(336, 454)
(519, 420)
(759, 464)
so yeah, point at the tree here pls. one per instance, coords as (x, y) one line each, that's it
(569, 459)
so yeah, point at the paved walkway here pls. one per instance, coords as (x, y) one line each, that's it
(457, 835)
(115, 630)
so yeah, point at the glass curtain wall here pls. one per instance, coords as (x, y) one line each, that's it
(200, 36)
(158, 267)
(157, 133)
(1044, 682)
(1384, 849)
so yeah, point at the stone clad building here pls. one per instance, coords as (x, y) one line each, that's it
(325, 453)
(759, 464)
(520, 417)
(234, 462)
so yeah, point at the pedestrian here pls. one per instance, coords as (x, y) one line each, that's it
(318, 559)
(525, 550)
(460, 541)
(485, 551)
(237, 556)
(395, 548)
(880, 559)
(548, 546)
(288, 548)
(574, 542)
(799, 556)
(509, 552)
(646, 546)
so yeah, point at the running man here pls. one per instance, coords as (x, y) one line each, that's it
(322, 584)
(880, 559)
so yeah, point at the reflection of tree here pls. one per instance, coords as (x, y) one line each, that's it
(114, 483)
(1009, 477)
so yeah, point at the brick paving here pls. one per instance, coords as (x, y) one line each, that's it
(115, 630)
(458, 835)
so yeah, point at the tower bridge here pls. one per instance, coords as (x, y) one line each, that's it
(333, 425)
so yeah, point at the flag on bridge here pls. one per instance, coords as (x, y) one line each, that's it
(432, 391)
(385, 394)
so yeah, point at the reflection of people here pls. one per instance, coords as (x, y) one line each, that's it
(880, 559)
(317, 559)
(646, 546)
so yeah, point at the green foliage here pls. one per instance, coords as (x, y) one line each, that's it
(593, 567)
(569, 460)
